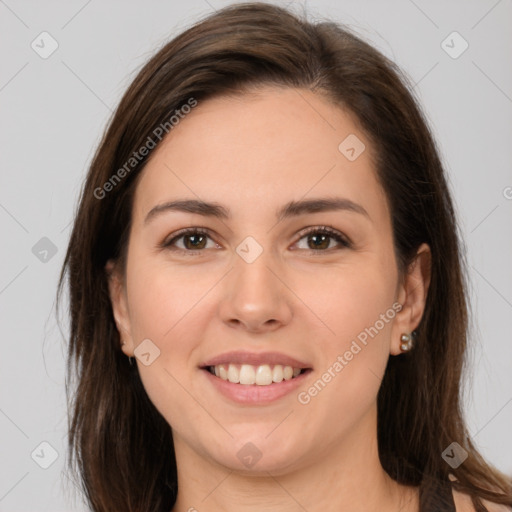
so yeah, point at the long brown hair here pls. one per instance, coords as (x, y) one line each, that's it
(120, 447)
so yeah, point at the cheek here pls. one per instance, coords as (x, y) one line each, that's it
(353, 359)
(357, 313)
(163, 299)
(166, 308)
(349, 300)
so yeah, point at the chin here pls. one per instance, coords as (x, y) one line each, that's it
(259, 455)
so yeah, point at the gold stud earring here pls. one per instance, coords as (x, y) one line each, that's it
(406, 342)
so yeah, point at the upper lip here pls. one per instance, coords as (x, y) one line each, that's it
(254, 358)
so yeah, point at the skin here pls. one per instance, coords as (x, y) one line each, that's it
(254, 153)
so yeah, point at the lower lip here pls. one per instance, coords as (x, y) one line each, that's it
(254, 394)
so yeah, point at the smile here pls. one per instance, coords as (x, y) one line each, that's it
(252, 393)
(261, 375)
(254, 378)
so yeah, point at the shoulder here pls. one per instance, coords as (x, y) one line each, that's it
(463, 503)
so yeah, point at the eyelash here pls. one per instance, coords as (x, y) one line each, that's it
(326, 230)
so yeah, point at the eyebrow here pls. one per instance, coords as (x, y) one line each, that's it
(290, 209)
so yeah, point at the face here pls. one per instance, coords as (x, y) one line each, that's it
(273, 271)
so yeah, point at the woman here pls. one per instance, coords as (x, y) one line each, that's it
(268, 306)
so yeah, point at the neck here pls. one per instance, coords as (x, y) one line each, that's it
(345, 477)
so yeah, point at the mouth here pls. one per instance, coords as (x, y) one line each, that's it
(252, 385)
(255, 375)
(254, 378)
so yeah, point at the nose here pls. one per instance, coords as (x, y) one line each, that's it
(255, 296)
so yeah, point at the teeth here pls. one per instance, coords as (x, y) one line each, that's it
(277, 373)
(263, 375)
(233, 374)
(223, 373)
(247, 374)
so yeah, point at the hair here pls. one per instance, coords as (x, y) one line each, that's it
(120, 448)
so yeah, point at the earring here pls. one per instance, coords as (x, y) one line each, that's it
(130, 359)
(406, 342)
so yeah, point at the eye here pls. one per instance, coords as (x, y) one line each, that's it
(194, 240)
(319, 239)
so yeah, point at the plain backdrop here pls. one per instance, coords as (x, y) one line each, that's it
(54, 110)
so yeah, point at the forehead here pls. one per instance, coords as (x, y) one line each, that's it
(262, 149)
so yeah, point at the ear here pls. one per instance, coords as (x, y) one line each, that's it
(117, 292)
(412, 295)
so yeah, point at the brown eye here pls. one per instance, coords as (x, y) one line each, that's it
(194, 241)
(189, 241)
(319, 239)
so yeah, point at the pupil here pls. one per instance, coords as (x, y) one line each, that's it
(322, 241)
(194, 244)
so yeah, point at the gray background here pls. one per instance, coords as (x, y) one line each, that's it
(53, 114)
